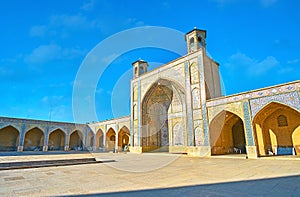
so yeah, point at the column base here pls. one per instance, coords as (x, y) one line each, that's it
(20, 149)
(199, 151)
(66, 148)
(135, 149)
(251, 152)
(178, 149)
(94, 148)
(45, 148)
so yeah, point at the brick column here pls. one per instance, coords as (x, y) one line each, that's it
(46, 139)
(21, 139)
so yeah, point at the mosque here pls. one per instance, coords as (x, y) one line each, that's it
(177, 108)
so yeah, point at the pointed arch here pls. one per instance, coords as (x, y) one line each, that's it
(123, 137)
(35, 127)
(90, 140)
(194, 73)
(178, 136)
(192, 44)
(75, 142)
(58, 128)
(34, 139)
(56, 140)
(258, 105)
(17, 127)
(164, 97)
(110, 139)
(99, 139)
(227, 134)
(9, 138)
(196, 98)
(274, 127)
(296, 140)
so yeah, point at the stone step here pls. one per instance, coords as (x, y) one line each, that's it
(49, 163)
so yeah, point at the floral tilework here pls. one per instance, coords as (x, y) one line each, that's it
(291, 99)
(249, 132)
(280, 89)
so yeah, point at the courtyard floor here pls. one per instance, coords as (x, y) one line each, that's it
(153, 175)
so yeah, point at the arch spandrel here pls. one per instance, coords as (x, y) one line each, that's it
(276, 136)
(80, 132)
(290, 99)
(54, 128)
(32, 126)
(124, 124)
(266, 109)
(16, 126)
(235, 108)
(146, 86)
(111, 127)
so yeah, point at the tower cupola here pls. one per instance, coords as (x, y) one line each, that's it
(195, 40)
(139, 67)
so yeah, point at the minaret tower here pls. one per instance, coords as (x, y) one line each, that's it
(139, 68)
(195, 40)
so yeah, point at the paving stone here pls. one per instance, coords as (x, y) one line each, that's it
(183, 176)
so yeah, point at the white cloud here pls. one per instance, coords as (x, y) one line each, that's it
(240, 61)
(6, 71)
(264, 66)
(88, 6)
(223, 2)
(52, 100)
(286, 70)
(72, 21)
(134, 21)
(264, 3)
(63, 24)
(60, 112)
(77, 21)
(45, 99)
(44, 53)
(267, 3)
(294, 61)
(99, 90)
(38, 31)
(108, 59)
(50, 52)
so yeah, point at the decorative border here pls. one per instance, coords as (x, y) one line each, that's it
(139, 113)
(248, 124)
(290, 99)
(189, 105)
(275, 90)
(203, 101)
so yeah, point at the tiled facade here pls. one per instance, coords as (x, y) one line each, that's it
(178, 108)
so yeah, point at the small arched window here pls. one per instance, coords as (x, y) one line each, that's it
(112, 138)
(282, 121)
(135, 70)
(192, 44)
(200, 42)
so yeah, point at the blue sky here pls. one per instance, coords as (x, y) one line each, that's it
(43, 44)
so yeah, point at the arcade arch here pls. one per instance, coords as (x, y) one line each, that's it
(227, 134)
(76, 141)
(276, 129)
(56, 140)
(34, 140)
(9, 138)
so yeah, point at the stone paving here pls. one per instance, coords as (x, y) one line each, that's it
(155, 175)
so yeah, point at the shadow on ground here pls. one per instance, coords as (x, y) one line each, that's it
(282, 186)
(29, 153)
